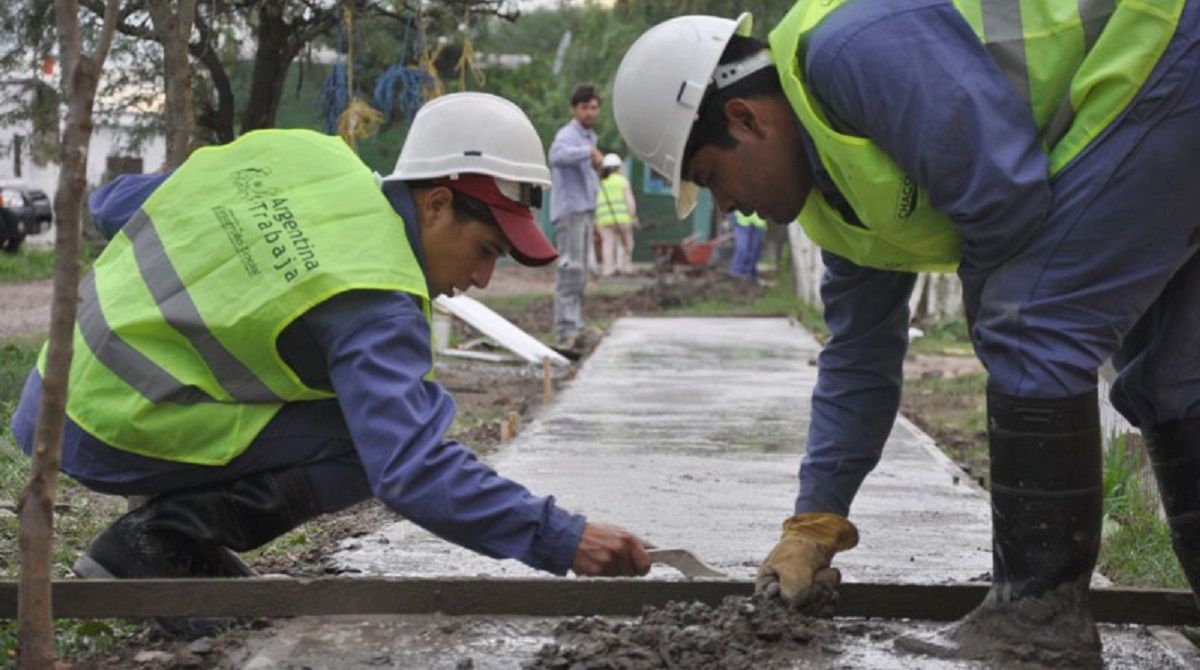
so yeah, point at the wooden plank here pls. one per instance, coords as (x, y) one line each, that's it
(533, 597)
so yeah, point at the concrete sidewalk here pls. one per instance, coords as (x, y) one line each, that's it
(688, 431)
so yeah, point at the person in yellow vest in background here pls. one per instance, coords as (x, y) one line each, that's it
(749, 230)
(1048, 152)
(616, 217)
(253, 349)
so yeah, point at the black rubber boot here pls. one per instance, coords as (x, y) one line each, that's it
(190, 534)
(1174, 450)
(1047, 507)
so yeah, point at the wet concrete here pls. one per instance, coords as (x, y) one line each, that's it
(689, 432)
(439, 642)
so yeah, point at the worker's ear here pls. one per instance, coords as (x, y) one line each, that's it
(436, 206)
(744, 119)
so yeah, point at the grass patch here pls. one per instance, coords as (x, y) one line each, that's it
(780, 299)
(813, 321)
(512, 302)
(80, 517)
(970, 415)
(948, 337)
(76, 640)
(1136, 548)
(32, 264)
(511, 305)
(81, 514)
(26, 265)
(954, 411)
(774, 302)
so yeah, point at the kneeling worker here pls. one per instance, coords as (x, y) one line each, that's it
(253, 348)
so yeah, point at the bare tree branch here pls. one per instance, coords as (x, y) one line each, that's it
(80, 77)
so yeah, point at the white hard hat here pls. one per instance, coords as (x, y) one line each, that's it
(611, 161)
(658, 89)
(483, 146)
(472, 133)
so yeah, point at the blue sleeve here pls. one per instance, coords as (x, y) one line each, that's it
(114, 203)
(912, 76)
(569, 149)
(859, 376)
(378, 348)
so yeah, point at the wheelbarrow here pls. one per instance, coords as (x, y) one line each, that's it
(686, 251)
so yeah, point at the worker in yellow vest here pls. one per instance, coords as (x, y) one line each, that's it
(253, 348)
(616, 216)
(1047, 151)
(749, 230)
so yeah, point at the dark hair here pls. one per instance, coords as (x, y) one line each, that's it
(711, 126)
(465, 207)
(583, 93)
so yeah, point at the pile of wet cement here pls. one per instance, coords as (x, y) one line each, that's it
(741, 634)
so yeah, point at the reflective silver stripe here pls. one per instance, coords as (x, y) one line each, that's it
(1006, 41)
(181, 313)
(1061, 122)
(1093, 16)
(131, 365)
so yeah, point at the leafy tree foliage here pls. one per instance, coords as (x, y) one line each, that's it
(598, 39)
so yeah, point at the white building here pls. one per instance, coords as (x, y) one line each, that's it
(112, 149)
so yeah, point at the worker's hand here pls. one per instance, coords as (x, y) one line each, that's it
(597, 158)
(610, 551)
(797, 569)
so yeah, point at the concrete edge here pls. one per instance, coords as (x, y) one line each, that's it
(926, 441)
(1177, 645)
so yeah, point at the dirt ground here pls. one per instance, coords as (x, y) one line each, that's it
(486, 395)
(26, 308)
(951, 414)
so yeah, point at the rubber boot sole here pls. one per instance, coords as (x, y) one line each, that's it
(86, 567)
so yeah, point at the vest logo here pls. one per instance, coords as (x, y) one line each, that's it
(251, 183)
(907, 202)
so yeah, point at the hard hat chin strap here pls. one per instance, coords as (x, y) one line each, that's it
(729, 74)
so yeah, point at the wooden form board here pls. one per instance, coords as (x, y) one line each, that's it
(532, 597)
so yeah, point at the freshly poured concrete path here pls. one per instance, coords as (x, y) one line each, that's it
(688, 432)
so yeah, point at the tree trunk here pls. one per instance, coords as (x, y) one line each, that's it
(80, 77)
(219, 118)
(174, 30)
(271, 62)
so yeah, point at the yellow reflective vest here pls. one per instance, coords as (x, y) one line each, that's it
(175, 343)
(611, 208)
(1078, 65)
(750, 220)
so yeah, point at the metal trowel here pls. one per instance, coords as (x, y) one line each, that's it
(685, 562)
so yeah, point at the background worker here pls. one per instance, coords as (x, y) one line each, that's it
(253, 348)
(574, 160)
(749, 230)
(616, 216)
(1047, 157)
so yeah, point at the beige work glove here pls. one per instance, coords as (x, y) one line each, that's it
(797, 569)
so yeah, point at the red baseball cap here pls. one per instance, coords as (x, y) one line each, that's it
(529, 245)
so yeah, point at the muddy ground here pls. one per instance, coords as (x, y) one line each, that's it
(953, 413)
(740, 634)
